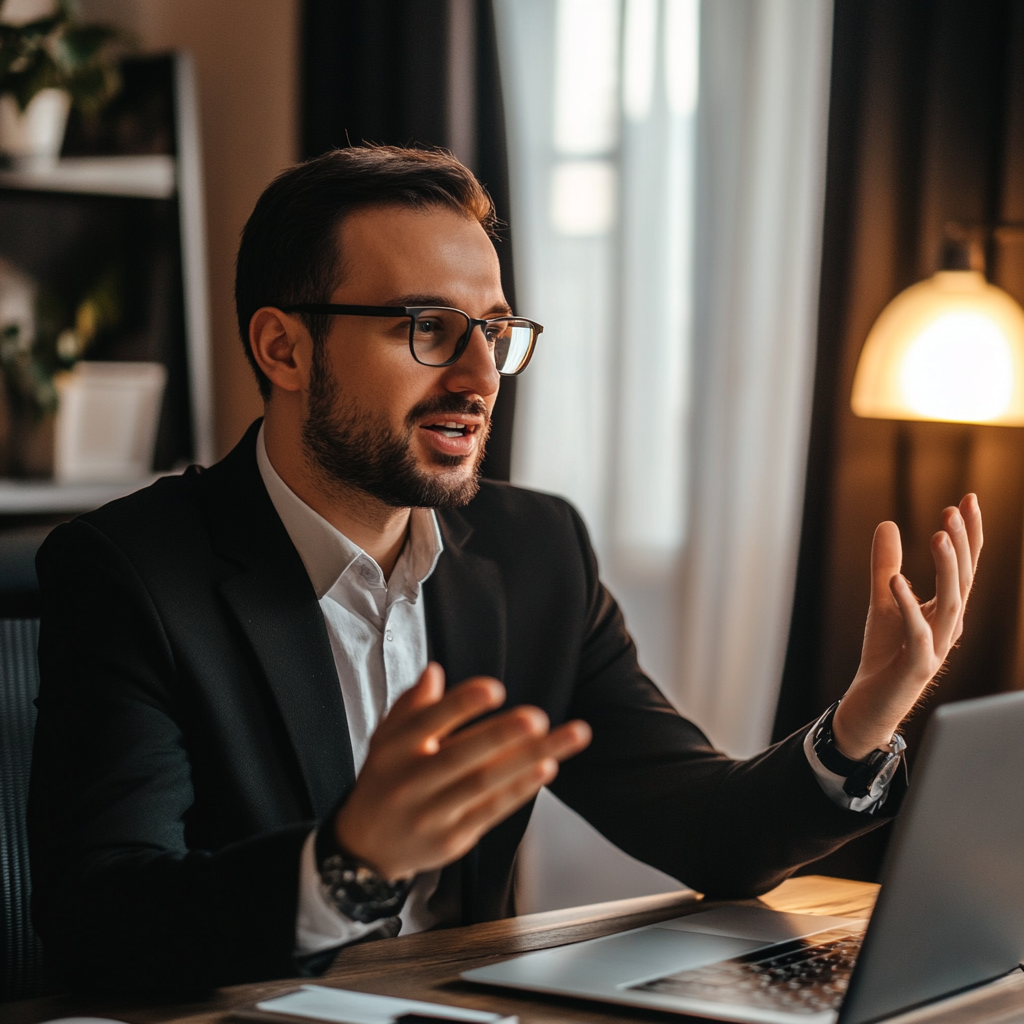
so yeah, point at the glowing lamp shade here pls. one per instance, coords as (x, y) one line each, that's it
(949, 348)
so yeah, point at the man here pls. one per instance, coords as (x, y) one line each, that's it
(246, 754)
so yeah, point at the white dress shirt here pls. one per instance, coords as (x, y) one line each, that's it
(378, 635)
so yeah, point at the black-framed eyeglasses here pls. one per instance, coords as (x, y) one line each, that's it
(438, 335)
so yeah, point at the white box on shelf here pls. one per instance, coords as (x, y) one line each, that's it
(106, 422)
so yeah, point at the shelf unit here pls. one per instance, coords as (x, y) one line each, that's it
(114, 194)
(143, 177)
(45, 498)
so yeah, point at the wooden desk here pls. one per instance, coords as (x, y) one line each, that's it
(427, 966)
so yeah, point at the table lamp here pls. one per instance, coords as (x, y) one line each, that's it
(950, 348)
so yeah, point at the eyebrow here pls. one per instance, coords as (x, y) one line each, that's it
(498, 309)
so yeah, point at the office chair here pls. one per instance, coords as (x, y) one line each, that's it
(21, 956)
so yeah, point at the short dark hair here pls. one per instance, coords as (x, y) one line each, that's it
(289, 249)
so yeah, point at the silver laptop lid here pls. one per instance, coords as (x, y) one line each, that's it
(951, 910)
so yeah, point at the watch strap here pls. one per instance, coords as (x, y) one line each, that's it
(352, 887)
(825, 747)
(864, 777)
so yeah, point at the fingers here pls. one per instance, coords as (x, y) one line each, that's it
(421, 724)
(905, 642)
(460, 755)
(948, 603)
(963, 525)
(956, 527)
(487, 754)
(462, 830)
(886, 560)
(484, 797)
(917, 633)
(484, 776)
(483, 739)
(970, 510)
(496, 806)
(427, 824)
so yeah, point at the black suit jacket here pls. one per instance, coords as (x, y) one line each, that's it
(191, 728)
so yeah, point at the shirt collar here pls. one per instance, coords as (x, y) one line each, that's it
(328, 554)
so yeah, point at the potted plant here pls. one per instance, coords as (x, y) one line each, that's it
(49, 63)
(64, 417)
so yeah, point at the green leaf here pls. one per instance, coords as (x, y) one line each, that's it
(41, 73)
(77, 46)
(91, 87)
(56, 52)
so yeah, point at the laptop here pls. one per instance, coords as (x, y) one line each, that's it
(950, 914)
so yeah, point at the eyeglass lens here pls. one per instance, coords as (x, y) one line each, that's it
(437, 334)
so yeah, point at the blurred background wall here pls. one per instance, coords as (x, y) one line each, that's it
(247, 60)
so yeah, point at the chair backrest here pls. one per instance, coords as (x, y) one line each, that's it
(21, 956)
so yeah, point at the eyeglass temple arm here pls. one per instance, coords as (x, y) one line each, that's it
(327, 308)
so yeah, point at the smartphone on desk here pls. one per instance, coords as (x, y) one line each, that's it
(342, 1006)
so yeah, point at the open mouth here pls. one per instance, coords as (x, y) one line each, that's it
(451, 428)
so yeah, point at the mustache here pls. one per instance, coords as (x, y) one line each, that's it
(454, 404)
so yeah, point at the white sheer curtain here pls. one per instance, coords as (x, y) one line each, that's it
(601, 100)
(667, 167)
(763, 128)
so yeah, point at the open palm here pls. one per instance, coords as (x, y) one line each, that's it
(906, 643)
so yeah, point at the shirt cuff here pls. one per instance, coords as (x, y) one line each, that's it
(832, 784)
(318, 923)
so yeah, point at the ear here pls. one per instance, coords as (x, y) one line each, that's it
(282, 347)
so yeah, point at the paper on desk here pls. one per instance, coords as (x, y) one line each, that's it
(343, 1007)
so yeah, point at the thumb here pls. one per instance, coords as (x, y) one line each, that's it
(917, 633)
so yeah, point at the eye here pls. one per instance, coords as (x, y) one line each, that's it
(428, 326)
(494, 330)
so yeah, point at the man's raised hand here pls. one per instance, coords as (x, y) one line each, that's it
(430, 788)
(906, 643)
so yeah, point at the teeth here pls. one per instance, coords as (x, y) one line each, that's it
(450, 433)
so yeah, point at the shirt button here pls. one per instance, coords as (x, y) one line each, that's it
(389, 635)
(367, 573)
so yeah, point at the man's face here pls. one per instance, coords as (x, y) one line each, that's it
(407, 434)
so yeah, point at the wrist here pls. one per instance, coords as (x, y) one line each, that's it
(856, 744)
(351, 885)
(346, 839)
(868, 776)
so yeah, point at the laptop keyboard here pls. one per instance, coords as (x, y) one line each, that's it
(795, 977)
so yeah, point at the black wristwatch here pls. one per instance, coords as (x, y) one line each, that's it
(352, 887)
(869, 776)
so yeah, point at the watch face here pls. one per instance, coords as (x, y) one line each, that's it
(358, 892)
(885, 773)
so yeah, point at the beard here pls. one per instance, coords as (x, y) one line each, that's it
(354, 448)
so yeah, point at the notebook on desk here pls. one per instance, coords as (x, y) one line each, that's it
(950, 914)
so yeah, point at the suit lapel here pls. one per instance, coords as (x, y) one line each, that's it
(272, 600)
(466, 616)
(270, 596)
(465, 607)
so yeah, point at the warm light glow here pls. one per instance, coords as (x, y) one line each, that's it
(949, 348)
(959, 368)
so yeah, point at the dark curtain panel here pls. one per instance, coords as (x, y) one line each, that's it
(926, 127)
(414, 73)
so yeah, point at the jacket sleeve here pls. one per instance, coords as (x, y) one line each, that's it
(121, 900)
(653, 784)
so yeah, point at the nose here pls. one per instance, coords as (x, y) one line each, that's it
(475, 370)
